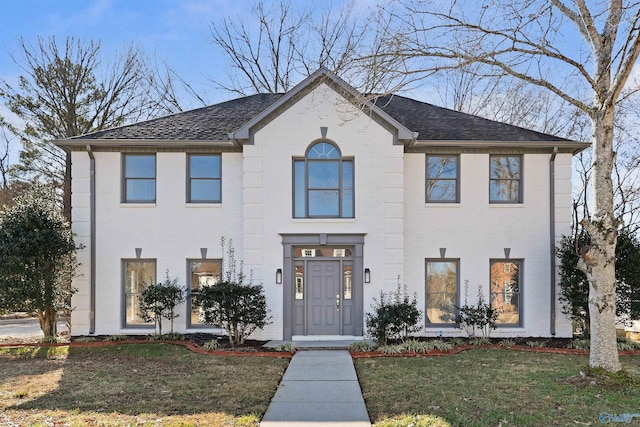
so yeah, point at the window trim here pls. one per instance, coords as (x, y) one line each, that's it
(341, 161)
(520, 181)
(520, 261)
(189, 178)
(124, 179)
(457, 178)
(189, 293)
(123, 311)
(452, 324)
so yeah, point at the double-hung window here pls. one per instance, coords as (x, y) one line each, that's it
(139, 176)
(138, 275)
(506, 290)
(442, 179)
(204, 178)
(323, 183)
(505, 179)
(202, 272)
(442, 292)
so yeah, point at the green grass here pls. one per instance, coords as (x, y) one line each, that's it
(134, 384)
(491, 387)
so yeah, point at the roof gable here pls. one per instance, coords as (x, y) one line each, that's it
(323, 75)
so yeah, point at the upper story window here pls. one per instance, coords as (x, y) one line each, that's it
(505, 179)
(442, 179)
(204, 178)
(139, 177)
(323, 183)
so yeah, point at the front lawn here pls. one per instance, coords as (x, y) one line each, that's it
(493, 387)
(145, 384)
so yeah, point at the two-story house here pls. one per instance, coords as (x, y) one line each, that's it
(329, 198)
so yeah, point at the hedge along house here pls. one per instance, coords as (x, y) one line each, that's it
(328, 199)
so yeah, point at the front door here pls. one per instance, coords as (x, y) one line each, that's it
(323, 309)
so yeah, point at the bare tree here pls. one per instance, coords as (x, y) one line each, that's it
(4, 153)
(66, 90)
(583, 53)
(279, 45)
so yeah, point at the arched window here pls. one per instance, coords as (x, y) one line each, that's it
(323, 183)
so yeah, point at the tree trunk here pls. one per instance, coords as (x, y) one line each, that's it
(598, 263)
(48, 322)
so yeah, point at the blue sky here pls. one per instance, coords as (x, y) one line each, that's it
(176, 31)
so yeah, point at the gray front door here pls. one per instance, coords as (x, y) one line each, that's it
(323, 310)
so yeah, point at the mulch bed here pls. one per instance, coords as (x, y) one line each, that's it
(195, 342)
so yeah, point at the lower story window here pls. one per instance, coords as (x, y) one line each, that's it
(506, 286)
(441, 292)
(138, 274)
(202, 272)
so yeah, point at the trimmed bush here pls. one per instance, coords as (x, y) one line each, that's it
(395, 316)
(239, 309)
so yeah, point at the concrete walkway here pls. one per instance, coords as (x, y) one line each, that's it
(319, 388)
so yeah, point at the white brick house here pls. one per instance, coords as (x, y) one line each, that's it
(329, 199)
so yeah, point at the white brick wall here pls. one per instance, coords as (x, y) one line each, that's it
(401, 230)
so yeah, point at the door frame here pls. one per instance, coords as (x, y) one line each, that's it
(289, 241)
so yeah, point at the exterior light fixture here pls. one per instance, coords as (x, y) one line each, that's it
(279, 276)
(367, 275)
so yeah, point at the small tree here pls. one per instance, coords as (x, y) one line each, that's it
(160, 300)
(240, 309)
(37, 258)
(476, 317)
(395, 316)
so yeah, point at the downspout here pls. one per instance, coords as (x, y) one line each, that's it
(92, 244)
(552, 242)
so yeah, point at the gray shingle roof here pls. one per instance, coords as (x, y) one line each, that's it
(436, 123)
(212, 123)
(216, 122)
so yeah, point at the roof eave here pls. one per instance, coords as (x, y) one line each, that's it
(149, 143)
(575, 146)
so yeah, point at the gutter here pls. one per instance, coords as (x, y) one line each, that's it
(552, 242)
(92, 244)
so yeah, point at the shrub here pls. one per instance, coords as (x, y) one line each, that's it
(362, 346)
(115, 338)
(213, 345)
(239, 309)
(85, 339)
(507, 343)
(580, 344)
(574, 287)
(477, 341)
(172, 336)
(395, 316)
(476, 317)
(415, 346)
(391, 349)
(286, 348)
(160, 300)
(441, 345)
